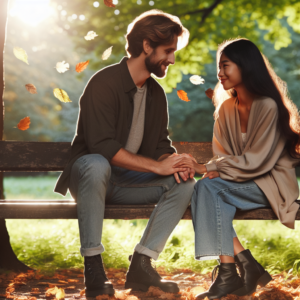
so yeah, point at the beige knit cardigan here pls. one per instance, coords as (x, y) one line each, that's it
(264, 158)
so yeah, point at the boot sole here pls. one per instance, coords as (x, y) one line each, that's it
(144, 288)
(95, 293)
(263, 280)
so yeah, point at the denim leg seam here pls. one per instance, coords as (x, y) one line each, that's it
(141, 185)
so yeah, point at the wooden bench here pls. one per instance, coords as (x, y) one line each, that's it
(53, 156)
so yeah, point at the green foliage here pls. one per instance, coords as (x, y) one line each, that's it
(228, 19)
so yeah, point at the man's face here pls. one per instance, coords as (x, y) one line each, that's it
(158, 61)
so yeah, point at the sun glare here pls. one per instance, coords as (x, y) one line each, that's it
(31, 11)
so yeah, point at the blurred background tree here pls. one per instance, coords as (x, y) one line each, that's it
(57, 34)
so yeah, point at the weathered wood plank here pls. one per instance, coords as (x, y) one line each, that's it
(53, 156)
(66, 209)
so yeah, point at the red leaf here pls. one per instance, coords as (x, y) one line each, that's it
(24, 123)
(81, 66)
(109, 3)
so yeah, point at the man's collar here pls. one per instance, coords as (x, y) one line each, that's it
(128, 83)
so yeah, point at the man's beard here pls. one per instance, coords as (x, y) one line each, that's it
(155, 67)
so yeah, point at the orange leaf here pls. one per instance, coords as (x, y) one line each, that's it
(183, 95)
(24, 123)
(109, 3)
(81, 66)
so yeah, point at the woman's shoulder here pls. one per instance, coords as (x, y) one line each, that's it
(266, 104)
(227, 104)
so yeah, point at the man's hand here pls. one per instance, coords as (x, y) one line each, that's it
(167, 165)
(189, 173)
(211, 175)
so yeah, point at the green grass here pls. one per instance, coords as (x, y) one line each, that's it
(52, 244)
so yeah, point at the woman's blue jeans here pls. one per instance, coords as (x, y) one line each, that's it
(214, 204)
(94, 183)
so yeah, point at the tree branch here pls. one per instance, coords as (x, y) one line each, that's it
(205, 11)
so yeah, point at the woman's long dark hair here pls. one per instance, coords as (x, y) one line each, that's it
(260, 79)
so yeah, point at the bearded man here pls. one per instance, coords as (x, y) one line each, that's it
(121, 153)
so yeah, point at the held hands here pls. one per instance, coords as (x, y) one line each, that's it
(189, 172)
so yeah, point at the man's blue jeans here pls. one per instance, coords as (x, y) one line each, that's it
(94, 182)
(214, 204)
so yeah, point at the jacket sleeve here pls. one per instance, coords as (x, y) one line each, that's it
(261, 156)
(98, 107)
(164, 143)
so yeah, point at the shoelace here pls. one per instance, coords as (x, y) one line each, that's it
(96, 267)
(214, 272)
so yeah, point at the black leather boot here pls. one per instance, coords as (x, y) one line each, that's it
(95, 280)
(252, 273)
(227, 282)
(141, 275)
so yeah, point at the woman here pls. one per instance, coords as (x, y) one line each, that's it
(255, 143)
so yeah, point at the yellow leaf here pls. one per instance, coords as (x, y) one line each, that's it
(106, 54)
(183, 95)
(122, 295)
(51, 292)
(24, 123)
(31, 88)
(61, 95)
(81, 66)
(60, 294)
(21, 54)
(90, 35)
(197, 290)
(109, 3)
(196, 79)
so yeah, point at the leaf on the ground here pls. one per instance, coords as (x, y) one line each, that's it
(168, 296)
(35, 291)
(82, 292)
(21, 54)
(43, 283)
(183, 95)
(106, 54)
(80, 275)
(31, 88)
(154, 291)
(102, 297)
(197, 290)
(10, 290)
(122, 294)
(21, 298)
(73, 287)
(61, 95)
(24, 123)
(72, 280)
(51, 292)
(62, 281)
(196, 79)
(90, 35)
(132, 297)
(62, 67)
(109, 3)
(81, 66)
(60, 294)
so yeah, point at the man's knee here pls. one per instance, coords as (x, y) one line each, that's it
(95, 167)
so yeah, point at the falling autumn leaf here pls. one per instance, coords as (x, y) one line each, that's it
(106, 54)
(61, 95)
(21, 54)
(62, 67)
(81, 66)
(24, 123)
(209, 93)
(196, 79)
(109, 3)
(31, 88)
(183, 95)
(90, 35)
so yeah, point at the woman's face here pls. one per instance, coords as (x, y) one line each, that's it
(229, 73)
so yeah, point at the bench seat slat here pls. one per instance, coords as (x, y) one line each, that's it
(56, 209)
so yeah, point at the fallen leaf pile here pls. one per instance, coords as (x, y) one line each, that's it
(68, 284)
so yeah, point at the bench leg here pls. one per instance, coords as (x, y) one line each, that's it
(8, 259)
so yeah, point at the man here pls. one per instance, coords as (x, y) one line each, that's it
(121, 153)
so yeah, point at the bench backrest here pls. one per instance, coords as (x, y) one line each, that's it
(53, 156)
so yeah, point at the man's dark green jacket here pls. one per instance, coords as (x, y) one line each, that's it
(106, 109)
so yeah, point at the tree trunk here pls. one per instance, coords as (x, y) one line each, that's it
(8, 259)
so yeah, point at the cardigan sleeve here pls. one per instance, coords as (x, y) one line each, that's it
(261, 156)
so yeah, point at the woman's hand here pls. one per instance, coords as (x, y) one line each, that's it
(187, 162)
(211, 175)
